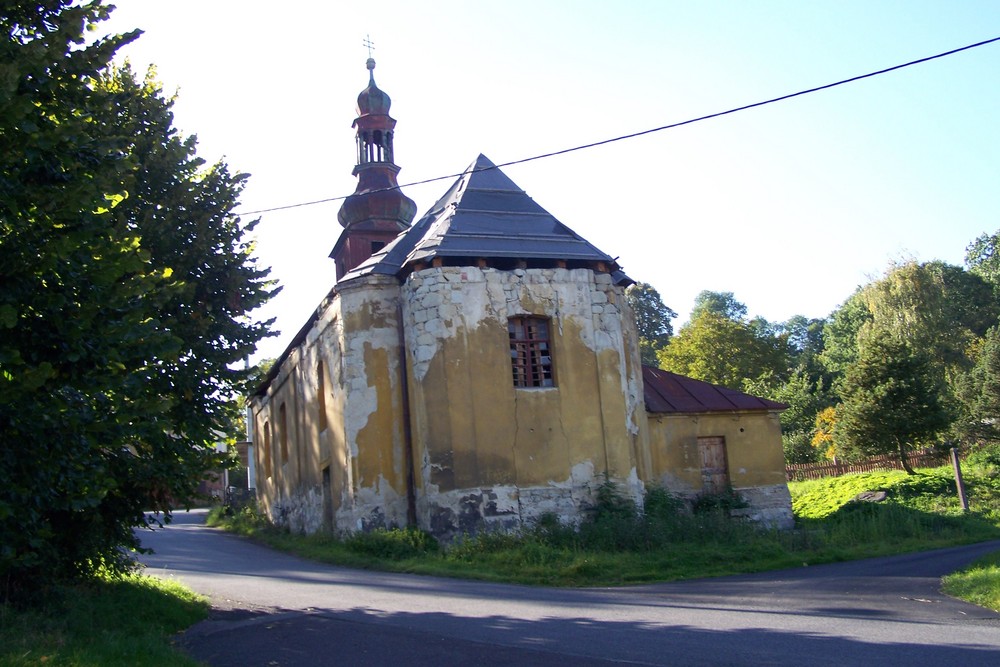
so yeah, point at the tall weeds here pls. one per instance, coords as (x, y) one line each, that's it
(675, 538)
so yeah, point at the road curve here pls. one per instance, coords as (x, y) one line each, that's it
(279, 610)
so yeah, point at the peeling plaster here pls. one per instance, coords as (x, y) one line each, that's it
(462, 312)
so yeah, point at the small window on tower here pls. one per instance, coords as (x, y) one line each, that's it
(530, 351)
(377, 245)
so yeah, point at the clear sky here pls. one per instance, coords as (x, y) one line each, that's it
(789, 206)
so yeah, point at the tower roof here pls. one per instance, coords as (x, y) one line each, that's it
(378, 210)
(372, 100)
(486, 215)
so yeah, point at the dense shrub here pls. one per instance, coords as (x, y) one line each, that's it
(721, 501)
(393, 543)
(985, 457)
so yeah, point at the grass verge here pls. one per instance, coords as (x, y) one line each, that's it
(979, 583)
(617, 546)
(105, 622)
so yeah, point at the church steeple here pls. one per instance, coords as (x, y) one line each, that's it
(377, 211)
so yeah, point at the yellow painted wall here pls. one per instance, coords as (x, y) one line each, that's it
(753, 449)
(514, 451)
(472, 427)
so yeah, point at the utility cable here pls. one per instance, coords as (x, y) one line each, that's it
(643, 132)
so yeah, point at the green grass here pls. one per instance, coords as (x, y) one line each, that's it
(125, 621)
(979, 583)
(130, 620)
(931, 490)
(618, 547)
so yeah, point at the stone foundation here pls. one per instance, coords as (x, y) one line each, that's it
(770, 506)
(301, 512)
(510, 508)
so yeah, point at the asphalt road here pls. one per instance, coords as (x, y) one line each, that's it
(278, 610)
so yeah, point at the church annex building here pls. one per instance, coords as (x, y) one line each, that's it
(479, 368)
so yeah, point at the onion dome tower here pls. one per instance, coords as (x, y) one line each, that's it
(377, 211)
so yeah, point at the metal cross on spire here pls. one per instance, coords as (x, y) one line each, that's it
(368, 44)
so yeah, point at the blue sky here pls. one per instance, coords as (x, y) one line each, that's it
(790, 206)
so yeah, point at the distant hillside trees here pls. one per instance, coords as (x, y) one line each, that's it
(910, 359)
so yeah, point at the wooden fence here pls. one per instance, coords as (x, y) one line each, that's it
(795, 472)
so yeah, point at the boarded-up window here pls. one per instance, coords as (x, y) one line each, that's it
(283, 433)
(265, 452)
(714, 469)
(530, 351)
(321, 396)
(327, 499)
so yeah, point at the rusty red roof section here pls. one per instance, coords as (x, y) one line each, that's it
(669, 393)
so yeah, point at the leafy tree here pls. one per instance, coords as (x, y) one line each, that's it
(127, 285)
(805, 398)
(823, 435)
(892, 399)
(717, 349)
(182, 210)
(983, 259)
(979, 393)
(840, 335)
(805, 389)
(804, 337)
(936, 306)
(723, 304)
(653, 318)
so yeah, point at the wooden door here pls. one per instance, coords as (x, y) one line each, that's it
(714, 470)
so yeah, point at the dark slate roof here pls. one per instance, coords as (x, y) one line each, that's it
(485, 214)
(669, 393)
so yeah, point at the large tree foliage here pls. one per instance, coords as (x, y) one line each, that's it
(804, 387)
(723, 304)
(718, 345)
(653, 318)
(892, 399)
(840, 336)
(126, 289)
(935, 306)
(982, 256)
(182, 210)
(806, 398)
(979, 394)
(939, 309)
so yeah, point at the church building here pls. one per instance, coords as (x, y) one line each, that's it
(479, 368)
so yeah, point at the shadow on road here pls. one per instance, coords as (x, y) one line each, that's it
(327, 637)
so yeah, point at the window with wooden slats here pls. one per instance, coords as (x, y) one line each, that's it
(530, 352)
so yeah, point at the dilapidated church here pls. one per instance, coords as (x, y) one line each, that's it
(479, 368)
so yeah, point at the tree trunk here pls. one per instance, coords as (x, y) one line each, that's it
(901, 449)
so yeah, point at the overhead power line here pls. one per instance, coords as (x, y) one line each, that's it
(645, 132)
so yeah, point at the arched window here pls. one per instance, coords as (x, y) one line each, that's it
(530, 352)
